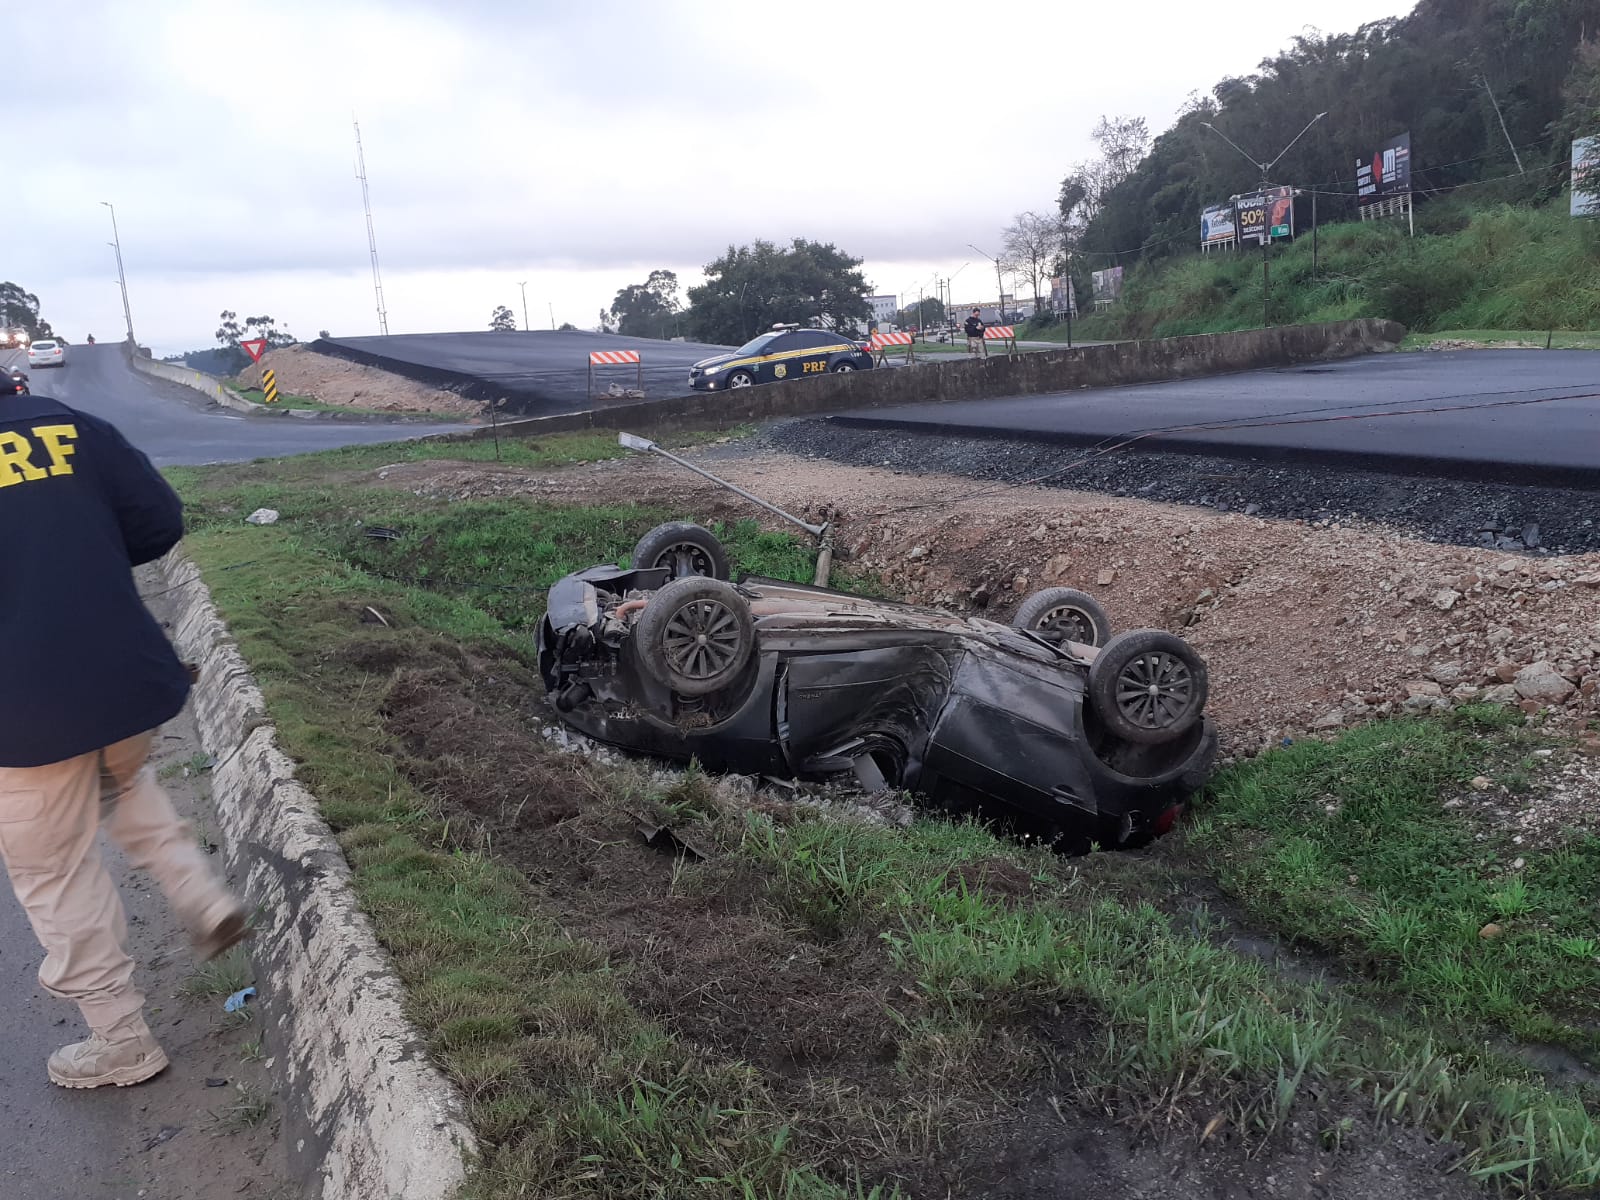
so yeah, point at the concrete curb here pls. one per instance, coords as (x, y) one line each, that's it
(365, 1115)
(190, 378)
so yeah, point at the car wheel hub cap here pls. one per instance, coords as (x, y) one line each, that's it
(1066, 625)
(1154, 691)
(702, 639)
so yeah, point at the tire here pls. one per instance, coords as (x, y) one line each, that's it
(840, 367)
(1063, 614)
(684, 548)
(1122, 677)
(696, 635)
(740, 379)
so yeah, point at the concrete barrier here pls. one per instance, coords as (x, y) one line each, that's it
(992, 378)
(365, 1116)
(188, 377)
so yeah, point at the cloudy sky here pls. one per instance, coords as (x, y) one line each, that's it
(575, 146)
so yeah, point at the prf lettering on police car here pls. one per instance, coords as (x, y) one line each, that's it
(22, 461)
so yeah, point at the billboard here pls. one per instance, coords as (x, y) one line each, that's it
(1280, 212)
(1586, 177)
(1217, 226)
(1250, 214)
(1107, 286)
(1063, 296)
(1386, 172)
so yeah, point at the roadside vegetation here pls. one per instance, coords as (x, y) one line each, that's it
(785, 999)
(1499, 268)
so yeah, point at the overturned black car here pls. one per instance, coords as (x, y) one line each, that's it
(1051, 721)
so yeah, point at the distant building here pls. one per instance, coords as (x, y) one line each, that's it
(884, 309)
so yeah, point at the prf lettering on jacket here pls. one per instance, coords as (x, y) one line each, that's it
(24, 461)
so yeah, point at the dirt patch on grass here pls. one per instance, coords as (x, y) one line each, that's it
(329, 380)
(1305, 626)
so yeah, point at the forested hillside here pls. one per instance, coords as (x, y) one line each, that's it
(1438, 73)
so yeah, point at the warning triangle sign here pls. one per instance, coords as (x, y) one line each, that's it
(255, 347)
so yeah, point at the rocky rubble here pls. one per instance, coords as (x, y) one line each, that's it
(1308, 626)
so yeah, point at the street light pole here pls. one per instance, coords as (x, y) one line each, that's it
(524, 286)
(1000, 297)
(122, 278)
(1266, 234)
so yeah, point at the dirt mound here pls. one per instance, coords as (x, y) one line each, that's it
(329, 380)
(1306, 625)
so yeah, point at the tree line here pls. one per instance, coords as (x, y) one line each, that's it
(1491, 91)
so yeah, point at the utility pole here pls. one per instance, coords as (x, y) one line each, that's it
(122, 278)
(372, 237)
(552, 305)
(1483, 82)
(524, 286)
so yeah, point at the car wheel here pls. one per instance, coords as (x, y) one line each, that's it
(1148, 686)
(841, 367)
(740, 379)
(1063, 614)
(684, 549)
(696, 635)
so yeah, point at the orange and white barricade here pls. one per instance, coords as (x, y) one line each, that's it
(1001, 333)
(880, 340)
(615, 358)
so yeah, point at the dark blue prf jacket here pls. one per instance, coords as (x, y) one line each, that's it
(83, 664)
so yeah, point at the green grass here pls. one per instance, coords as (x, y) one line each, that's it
(221, 976)
(1498, 268)
(575, 1092)
(1345, 845)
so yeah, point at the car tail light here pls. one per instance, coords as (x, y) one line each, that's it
(1167, 820)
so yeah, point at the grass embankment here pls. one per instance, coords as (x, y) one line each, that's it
(1504, 268)
(809, 1009)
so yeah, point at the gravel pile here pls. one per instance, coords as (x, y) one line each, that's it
(1494, 516)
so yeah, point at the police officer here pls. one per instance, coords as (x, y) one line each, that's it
(974, 330)
(88, 677)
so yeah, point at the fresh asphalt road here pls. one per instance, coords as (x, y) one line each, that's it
(1519, 416)
(175, 425)
(546, 371)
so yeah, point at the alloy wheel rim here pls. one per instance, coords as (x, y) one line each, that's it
(1155, 690)
(702, 640)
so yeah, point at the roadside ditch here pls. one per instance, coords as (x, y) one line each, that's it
(784, 999)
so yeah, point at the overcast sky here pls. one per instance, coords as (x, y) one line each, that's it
(575, 146)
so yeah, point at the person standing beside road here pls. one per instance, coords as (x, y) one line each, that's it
(974, 328)
(89, 676)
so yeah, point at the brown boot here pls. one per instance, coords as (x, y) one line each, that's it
(125, 1054)
(224, 928)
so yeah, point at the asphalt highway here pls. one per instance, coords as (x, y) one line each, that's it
(542, 372)
(1518, 416)
(176, 426)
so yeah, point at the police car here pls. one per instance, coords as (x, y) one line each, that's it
(784, 352)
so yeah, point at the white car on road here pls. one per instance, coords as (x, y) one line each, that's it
(47, 353)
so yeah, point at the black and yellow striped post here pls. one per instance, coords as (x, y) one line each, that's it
(269, 385)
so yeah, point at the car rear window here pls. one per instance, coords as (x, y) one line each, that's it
(44, 345)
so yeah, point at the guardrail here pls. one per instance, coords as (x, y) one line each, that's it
(188, 377)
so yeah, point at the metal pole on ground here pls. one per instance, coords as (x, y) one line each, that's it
(1313, 234)
(524, 286)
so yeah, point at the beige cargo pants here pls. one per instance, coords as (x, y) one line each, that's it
(48, 819)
